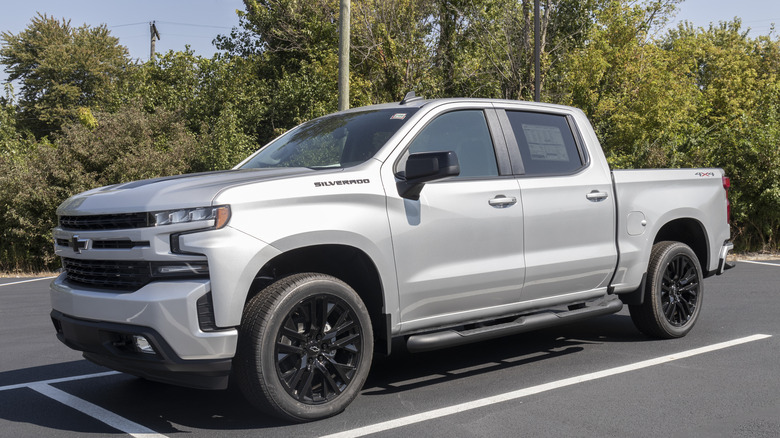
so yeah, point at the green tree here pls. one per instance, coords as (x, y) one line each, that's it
(638, 96)
(285, 59)
(500, 34)
(393, 48)
(12, 141)
(62, 68)
(218, 99)
(695, 98)
(736, 121)
(300, 29)
(127, 145)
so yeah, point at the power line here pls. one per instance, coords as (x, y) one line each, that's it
(187, 36)
(129, 24)
(173, 23)
(194, 25)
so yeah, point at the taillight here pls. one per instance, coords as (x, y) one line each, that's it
(726, 186)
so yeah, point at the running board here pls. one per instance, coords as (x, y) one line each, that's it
(526, 323)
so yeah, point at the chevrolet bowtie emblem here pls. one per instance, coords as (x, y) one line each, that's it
(78, 244)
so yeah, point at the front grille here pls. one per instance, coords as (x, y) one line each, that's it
(119, 244)
(109, 244)
(106, 221)
(129, 276)
(108, 274)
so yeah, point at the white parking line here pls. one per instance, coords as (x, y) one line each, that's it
(760, 263)
(60, 380)
(122, 424)
(27, 281)
(96, 412)
(438, 413)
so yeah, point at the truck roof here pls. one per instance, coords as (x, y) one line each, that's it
(419, 102)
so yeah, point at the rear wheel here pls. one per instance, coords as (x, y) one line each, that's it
(305, 347)
(673, 294)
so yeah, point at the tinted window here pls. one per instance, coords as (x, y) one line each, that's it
(464, 132)
(546, 143)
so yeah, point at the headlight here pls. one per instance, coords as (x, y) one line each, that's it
(220, 215)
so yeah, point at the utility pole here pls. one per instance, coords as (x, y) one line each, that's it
(344, 19)
(537, 50)
(155, 37)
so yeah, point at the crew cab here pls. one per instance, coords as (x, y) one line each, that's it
(440, 222)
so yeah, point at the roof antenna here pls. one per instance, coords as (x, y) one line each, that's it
(411, 97)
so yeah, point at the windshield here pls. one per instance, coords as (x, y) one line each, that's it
(340, 140)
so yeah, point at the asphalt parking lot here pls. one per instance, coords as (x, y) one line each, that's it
(596, 378)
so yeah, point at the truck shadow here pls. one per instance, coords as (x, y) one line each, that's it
(170, 409)
(403, 371)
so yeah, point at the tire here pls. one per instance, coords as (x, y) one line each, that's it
(673, 294)
(304, 348)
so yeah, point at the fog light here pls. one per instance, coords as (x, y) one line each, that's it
(142, 345)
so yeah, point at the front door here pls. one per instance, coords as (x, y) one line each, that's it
(459, 248)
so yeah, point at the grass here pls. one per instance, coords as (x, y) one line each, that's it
(28, 274)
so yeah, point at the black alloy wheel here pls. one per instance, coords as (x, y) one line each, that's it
(318, 348)
(305, 346)
(680, 290)
(673, 293)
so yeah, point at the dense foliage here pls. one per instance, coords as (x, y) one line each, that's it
(85, 116)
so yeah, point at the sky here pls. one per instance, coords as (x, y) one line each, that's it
(758, 15)
(179, 22)
(198, 22)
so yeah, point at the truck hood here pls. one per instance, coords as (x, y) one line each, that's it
(167, 193)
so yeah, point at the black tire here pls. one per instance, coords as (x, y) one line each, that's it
(304, 347)
(673, 293)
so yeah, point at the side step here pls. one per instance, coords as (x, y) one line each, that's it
(526, 323)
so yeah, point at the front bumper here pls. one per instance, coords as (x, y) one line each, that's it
(98, 322)
(111, 345)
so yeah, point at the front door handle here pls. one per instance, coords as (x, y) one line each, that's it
(596, 196)
(501, 201)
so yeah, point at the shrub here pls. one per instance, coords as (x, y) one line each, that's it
(124, 146)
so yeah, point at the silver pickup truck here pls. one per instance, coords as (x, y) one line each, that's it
(440, 222)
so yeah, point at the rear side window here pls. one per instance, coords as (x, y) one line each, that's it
(546, 143)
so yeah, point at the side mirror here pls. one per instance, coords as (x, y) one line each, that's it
(426, 167)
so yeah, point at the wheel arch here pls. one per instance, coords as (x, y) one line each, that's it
(347, 263)
(685, 230)
(690, 232)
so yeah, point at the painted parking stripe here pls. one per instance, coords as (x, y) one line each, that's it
(122, 424)
(96, 412)
(451, 410)
(27, 281)
(60, 380)
(759, 263)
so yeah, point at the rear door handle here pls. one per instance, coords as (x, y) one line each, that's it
(501, 201)
(596, 196)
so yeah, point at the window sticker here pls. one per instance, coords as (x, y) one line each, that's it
(545, 143)
(398, 116)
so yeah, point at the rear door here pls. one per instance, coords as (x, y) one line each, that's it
(568, 203)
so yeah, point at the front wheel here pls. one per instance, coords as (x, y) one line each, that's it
(304, 348)
(673, 294)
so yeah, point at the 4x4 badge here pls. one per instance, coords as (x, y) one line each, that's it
(78, 244)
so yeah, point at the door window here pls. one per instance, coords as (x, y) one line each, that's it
(546, 143)
(464, 132)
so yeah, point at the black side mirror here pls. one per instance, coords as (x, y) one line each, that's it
(426, 167)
